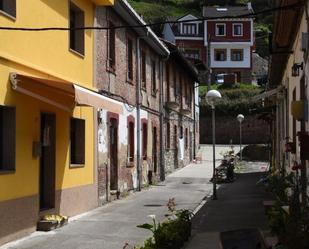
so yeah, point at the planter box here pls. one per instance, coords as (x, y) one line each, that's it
(49, 225)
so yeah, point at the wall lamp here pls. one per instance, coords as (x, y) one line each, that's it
(295, 69)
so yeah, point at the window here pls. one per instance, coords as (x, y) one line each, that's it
(192, 53)
(220, 29)
(237, 29)
(189, 29)
(186, 138)
(144, 141)
(237, 54)
(111, 46)
(175, 137)
(178, 87)
(175, 81)
(167, 74)
(8, 7)
(181, 132)
(77, 141)
(168, 135)
(130, 59)
(153, 77)
(77, 37)
(131, 138)
(220, 54)
(7, 138)
(143, 69)
(189, 98)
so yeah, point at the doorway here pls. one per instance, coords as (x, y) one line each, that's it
(154, 149)
(113, 153)
(47, 161)
(175, 147)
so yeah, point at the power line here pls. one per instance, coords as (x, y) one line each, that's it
(251, 15)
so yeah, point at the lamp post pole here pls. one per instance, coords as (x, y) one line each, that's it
(211, 97)
(240, 141)
(214, 175)
(240, 118)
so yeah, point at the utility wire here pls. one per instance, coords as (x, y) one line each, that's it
(251, 15)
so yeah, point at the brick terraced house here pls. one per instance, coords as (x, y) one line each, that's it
(131, 71)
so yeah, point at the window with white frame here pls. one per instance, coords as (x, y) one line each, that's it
(220, 29)
(237, 54)
(237, 29)
(189, 29)
(220, 54)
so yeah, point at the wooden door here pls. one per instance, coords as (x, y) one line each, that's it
(47, 161)
(154, 149)
(113, 153)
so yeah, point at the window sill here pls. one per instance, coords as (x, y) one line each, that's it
(13, 18)
(7, 172)
(76, 165)
(129, 81)
(130, 164)
(111, 70)
(82, 56)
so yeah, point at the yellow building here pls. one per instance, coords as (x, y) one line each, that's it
(47, 119)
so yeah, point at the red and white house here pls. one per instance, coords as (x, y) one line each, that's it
(226, 31)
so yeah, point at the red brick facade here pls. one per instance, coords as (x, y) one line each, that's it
(246, 34)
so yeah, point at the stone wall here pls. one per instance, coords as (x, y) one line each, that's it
(254, 131)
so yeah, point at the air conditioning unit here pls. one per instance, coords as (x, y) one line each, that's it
(304, 42)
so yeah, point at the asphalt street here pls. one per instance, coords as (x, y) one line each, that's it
(113, 225)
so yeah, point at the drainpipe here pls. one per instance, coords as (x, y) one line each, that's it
(138, 114)
(194, 121)
(162, 114)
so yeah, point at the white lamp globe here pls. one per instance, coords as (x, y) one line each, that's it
(212, 96)
(240, 118)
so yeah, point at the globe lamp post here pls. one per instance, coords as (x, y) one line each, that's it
(212, 97)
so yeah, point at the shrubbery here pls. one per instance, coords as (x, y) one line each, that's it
(170, 234)
(236, 99)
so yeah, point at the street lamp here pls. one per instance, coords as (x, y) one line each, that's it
(240, 118)
(211, 98)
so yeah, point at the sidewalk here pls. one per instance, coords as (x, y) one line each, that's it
(239, 206)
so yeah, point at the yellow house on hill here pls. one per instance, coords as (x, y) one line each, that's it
(47, 119)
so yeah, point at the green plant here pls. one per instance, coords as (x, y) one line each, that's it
(288, 219)
(173, 232)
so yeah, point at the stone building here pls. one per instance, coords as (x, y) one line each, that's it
(130, 68)
(181, 110)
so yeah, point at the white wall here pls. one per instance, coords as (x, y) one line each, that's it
(246, 63)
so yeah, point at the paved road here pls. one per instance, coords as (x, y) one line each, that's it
(110, 226)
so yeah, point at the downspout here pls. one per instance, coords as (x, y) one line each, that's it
(194, 122)
(161, 106)
(138, 115)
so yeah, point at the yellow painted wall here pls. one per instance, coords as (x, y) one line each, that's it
(44, 55)
(48, 51)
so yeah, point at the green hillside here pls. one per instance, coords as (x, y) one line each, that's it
(157, 11)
